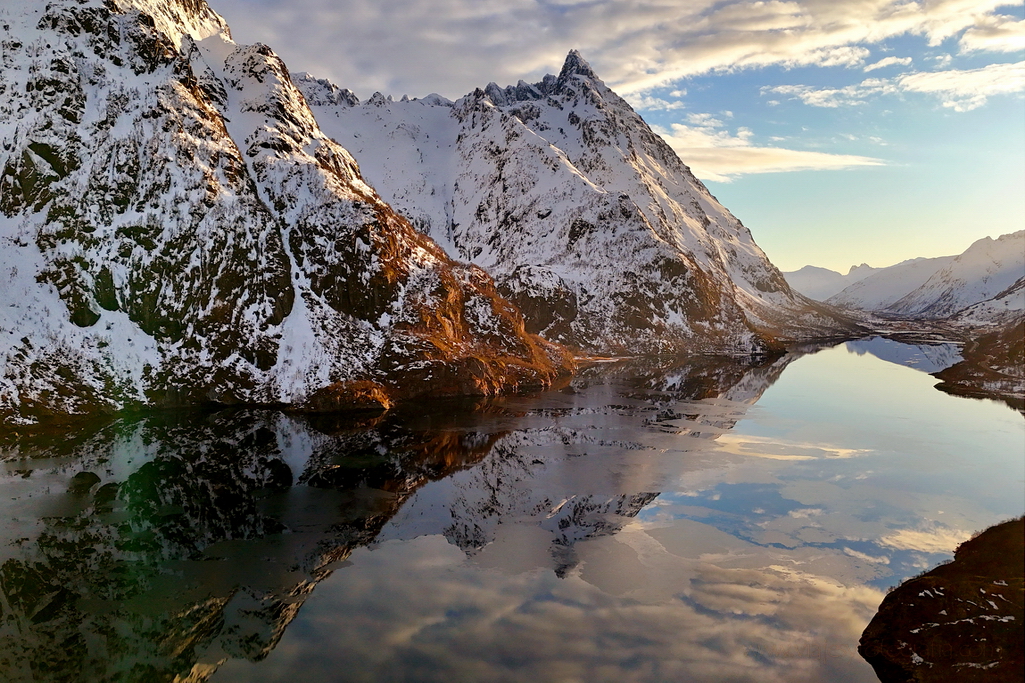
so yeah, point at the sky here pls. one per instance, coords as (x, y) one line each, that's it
(839, 132)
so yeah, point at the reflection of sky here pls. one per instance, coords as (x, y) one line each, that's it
(417, 611)
(762, 559)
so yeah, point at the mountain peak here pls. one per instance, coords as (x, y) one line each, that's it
(575, 65)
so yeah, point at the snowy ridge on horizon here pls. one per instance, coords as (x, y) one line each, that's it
(821, 283)
(887, 285)
(1003, 309)
(939, 287)
(588, 221)
(984, 270)
(984, 282)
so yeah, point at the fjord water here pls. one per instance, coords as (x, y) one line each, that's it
(700, 519)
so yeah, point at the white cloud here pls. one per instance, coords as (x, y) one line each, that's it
(936, 539)
(419, 607)
(452, 46)
(960, 90)
(882, 559)
(642, 102)
(967, 90)
(995, 34)
(833, 97)
(889, 61)
(713, 153)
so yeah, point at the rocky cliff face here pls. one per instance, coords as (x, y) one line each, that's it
(588, 221)
(176, 228)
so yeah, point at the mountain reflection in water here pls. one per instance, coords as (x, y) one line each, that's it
(624, 528)
(928, 358)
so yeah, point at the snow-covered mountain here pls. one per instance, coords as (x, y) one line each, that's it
(940, 287)
(984, 270)
(1006, 307)
(887, 285)
(822, 283)
(175, 227)
(588, 221)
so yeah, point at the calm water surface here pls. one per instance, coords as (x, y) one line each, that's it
(698, 520)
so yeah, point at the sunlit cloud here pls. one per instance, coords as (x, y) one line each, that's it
(995, 34)
(834, 97)
(882, 559)
(451, 46)
(417, 604)
(778, 449)
(938, 539)
(642, 102)
(960, 90)
(967, 90)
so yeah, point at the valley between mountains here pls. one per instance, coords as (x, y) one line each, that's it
(185, 221)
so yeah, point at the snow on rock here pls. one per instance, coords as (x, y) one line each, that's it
(588, 221)
(1004, 308)
(984, 270)
(175, 228)
(993, 365)
(822, 283)
(961, 621)
(940, 287)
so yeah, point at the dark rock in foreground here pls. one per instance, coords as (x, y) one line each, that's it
(961, 621)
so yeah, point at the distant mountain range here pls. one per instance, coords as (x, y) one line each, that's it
(985, 285)
(977, 296)
(821, 283)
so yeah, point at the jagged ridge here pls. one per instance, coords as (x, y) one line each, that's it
(587, 219)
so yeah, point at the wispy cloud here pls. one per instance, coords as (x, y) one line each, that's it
(967, 90)
(642, 102)
(888, 61)
(713, 153)
(447, 45)
(960, 90)
(833, 97)
(936, 539)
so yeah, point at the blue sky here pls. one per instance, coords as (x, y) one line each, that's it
(839, 132)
